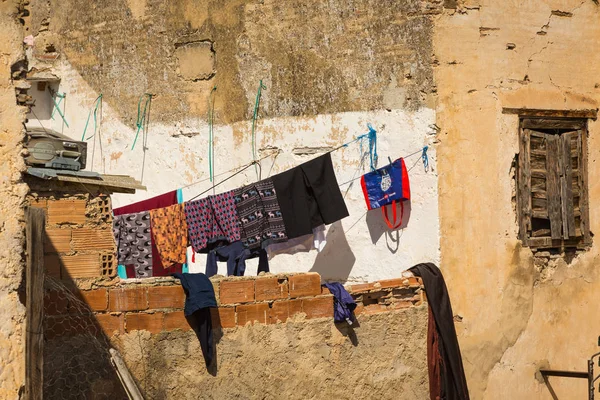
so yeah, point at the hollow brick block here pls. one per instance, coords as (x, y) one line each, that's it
(271, 288)
(128, 299)
(318, 307)
(252, 313)
(166, 297)
(236, 291)
(305, 285)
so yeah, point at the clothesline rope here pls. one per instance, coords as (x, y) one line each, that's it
(232, 170)
(243, 167)
(424, 157)
(256, 162)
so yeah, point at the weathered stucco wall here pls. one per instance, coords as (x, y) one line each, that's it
(515, 320)
(296, 360)
(274, 338)
(328, 71)
(12, 194)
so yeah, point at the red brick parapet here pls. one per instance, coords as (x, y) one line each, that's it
(157, 305)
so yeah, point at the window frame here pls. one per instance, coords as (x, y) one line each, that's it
(524, 186)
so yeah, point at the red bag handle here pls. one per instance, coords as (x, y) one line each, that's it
(393, 225)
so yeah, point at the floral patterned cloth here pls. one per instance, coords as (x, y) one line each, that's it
(170, 233)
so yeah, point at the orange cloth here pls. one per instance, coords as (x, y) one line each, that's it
(170, 233)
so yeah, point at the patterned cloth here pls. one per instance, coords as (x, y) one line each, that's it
(260, 217)
(170, 230)
(211, 219)
(134, 242)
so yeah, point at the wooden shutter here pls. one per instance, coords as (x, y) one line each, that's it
(552, 189)
(524, 187)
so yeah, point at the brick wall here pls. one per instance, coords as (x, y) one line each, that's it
(79, 241)
(158, 306)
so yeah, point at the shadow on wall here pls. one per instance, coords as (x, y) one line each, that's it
(337, 259)
(77, 361)
(377, 225)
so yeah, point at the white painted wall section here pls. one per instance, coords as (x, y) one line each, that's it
(359, 248)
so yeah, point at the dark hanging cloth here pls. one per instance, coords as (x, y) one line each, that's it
(309, 196)
(343, 303)
(446, 373)
(164, 200)
(236, 255)
(200, 297)
(259, 213)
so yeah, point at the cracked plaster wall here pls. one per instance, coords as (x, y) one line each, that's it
(12, 195)
(329, 69)
(490, 55)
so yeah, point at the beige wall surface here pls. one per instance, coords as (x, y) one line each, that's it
(12, 194)
(517, 317)
(313, 359)
(414, 67)
(329, 69)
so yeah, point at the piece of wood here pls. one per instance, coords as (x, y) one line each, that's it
(562, 187)
(583, 179)
(534, 112)
(541, 214)
(566, 187)
(538, 184)
(553, 185)
(537, 162)
(548, 242)
(538, 204)
(125, 376)
(34, 276)
(524, 186)
(541, 152)
(544, 123)
(537, 136)
(541, 232)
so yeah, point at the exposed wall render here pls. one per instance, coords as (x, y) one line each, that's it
(494, 56)
(176, 156)
(274, 337)
(315, 58)
(322, 88)
(12, 194)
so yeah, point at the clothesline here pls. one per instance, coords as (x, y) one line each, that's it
(242, 168)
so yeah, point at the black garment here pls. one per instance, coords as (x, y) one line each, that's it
(309, 196)
(200, 297)
(235, 255)
(201, 322)
(450, 366)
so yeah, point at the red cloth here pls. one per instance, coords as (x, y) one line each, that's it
(434, 359)
(161, 201)
(164, 200)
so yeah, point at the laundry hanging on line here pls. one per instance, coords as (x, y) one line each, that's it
(263, 220)
(161, 201)
(253, 215)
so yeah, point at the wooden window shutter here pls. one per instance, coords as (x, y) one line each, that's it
(524, 187)
(552, 186)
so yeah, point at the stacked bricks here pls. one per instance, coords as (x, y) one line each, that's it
(78, 242)
(269, 299)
